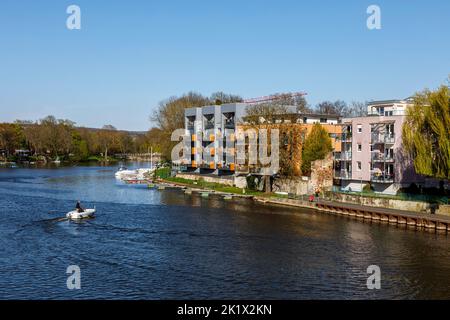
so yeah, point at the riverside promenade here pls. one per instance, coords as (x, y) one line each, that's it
(419, 221)
(392, 216)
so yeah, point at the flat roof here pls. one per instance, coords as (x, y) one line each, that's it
(391, 101)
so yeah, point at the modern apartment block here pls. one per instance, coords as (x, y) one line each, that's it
(217, 124)
(205, 126)
(372, 151)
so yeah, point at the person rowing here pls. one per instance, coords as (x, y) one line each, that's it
(78, 207)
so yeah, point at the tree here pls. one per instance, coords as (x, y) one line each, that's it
(357, 109)
(317, 145)
(264, 112)
(221, 98)
(426, 135)
(169, 115)
(10, 137)
(302, 105)
(326, 107)
(338, 107)
(55, 135)
(106, 139)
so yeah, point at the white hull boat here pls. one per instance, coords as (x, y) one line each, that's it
(138, 174)
(75, 215)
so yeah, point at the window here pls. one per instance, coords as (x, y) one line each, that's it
(371, 147)
(359, 147)
(359, 128)
(358, 163)
(390, 129)
(323, 120)
(371, 166)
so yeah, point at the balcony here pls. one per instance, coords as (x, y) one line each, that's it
(344, 156)
(229, 124)
(209, 124)
(347, 137)
(381, 157)
(387, 138)
(387, 113)
(343, 174)
(381, 177)
(190, 126)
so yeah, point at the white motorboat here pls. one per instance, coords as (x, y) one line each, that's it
(138, 174)
(75, 215)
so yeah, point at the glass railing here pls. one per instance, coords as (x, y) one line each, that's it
(382, 177)
(387, 113)
(383, 138)
(346, 155)
(379, 156)
(345, 174)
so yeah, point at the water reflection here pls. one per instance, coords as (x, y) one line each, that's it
(146, 243)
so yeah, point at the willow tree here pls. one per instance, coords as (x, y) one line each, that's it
(316, 147)
(426, 133)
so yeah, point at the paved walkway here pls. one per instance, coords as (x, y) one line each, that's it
(404, 213)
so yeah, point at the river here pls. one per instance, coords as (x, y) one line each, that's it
(150, 244)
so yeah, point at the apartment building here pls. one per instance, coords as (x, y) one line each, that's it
(217, 125)
(372, 151)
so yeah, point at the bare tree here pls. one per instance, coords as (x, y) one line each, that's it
(326, 107)
(357, 109)
(221, 97)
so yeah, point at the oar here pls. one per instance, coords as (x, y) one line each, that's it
(53, 211)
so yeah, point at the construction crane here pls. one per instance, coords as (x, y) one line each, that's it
(276, 96)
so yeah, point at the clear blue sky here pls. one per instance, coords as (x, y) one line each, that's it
(129, 55)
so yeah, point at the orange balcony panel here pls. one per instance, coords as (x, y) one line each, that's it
(212, 165)
(194, 163)
(232, 137)
(194, 137)
(219, 165)
(212, 151)
(193, 150)
(232, 166)
(212, 137)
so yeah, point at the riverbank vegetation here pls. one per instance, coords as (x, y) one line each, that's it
(426, 134)
(51, 138)
(212, 186)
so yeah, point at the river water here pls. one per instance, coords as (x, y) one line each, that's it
(150, 244)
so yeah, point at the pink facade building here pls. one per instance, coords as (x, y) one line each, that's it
(372, 151)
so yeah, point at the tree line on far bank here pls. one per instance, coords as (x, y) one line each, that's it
(52, 138)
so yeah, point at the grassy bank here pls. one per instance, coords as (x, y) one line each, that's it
(201, 184)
